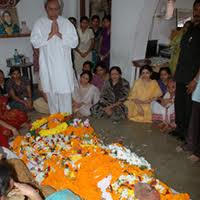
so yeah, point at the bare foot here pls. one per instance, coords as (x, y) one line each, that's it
(179, 149)
(160, 125)
(194, 158)
(164, 129)
(144, 191)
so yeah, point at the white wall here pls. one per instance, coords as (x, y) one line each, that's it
(161, 28)
(184, 4)
(130, 32)
(30, 11)
(127, 43)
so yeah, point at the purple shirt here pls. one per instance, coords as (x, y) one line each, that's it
(105, 45)
(163, 87)
(97, 81)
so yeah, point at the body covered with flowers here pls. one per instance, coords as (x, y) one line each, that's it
(66, 154)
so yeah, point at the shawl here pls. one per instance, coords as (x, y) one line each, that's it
(113, 93)
(63, 195)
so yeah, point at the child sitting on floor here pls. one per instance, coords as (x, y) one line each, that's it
(164, 77)
(163, 111)
(88, 67)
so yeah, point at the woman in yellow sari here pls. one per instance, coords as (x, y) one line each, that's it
(142, 94)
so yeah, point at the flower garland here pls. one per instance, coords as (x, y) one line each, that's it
(53, 124)
(66, 154)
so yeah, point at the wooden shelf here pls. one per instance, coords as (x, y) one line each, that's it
(15, 35)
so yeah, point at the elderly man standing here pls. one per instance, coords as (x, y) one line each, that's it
(55, 36)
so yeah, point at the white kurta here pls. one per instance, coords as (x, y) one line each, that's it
(56, 72)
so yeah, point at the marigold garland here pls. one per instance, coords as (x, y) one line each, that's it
(67, 154)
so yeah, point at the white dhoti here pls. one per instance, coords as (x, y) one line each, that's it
(59, 103)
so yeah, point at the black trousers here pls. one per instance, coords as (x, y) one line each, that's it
(183, 107)
(193, 138)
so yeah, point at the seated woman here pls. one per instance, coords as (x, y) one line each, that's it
(101, 72)
(164, 77)
(113, 95)
(11, 189)
(19, 91)
(10, 121)
(21, 173)
(88, 66)
(142, 94)
(3, 90)
(164, 112)
(85, 96)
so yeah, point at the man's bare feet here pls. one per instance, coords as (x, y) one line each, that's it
(193, 158)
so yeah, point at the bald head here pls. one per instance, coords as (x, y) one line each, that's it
(53, 8)
(59, 2)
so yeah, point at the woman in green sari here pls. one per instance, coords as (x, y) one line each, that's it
(176, 37)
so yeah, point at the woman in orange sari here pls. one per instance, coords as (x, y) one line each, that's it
(142, 94)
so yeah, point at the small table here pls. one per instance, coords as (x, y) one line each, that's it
(26, 70)
(138, 64)
(155, 62)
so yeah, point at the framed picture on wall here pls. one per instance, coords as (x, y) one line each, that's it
(9, 23)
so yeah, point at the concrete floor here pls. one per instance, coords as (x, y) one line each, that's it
(159, 149)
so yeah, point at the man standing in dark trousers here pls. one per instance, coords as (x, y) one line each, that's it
(193, 138)
(186, 74)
